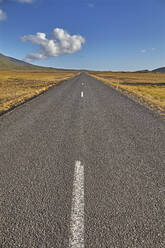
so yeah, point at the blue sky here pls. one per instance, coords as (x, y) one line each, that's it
(110, 34)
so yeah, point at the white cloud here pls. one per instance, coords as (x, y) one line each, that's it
(143, 51)
(3, 15)
(147, 50)
(60, 43)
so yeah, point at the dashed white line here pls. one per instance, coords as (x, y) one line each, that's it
(76, 239)
(82, 94)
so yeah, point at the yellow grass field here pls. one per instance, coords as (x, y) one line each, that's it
(148, 87)
(17, 86)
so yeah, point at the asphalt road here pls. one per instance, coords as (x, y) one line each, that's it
(82, 166)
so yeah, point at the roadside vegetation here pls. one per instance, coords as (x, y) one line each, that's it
(148, 87)
(18, 86)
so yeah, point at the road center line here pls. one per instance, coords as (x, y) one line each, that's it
(76, 239)
(82, 94)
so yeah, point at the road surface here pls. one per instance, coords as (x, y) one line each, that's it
(82, 166)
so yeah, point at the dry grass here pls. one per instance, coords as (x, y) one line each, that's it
(18, 86)
(148, 87)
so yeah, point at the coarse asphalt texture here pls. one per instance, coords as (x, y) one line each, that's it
(121, 145)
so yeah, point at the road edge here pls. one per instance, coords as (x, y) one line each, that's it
(3, 112)
(132, 97)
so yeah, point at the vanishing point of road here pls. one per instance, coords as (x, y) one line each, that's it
(82, 166)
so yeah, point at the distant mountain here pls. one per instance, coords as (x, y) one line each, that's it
(8, 63)
(143, 71)
(162, 69)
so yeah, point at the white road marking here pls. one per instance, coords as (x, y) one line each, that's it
(82, 83)
(76, 239)
(82, 94)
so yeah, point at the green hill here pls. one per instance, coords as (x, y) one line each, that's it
(8, 63)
